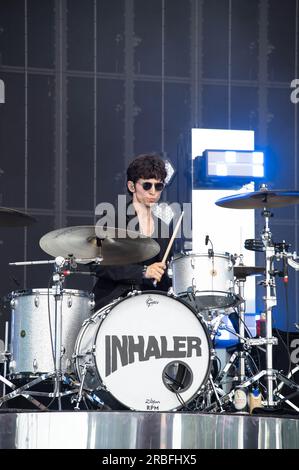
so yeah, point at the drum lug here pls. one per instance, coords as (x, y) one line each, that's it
(171, 293)
(230, 265)
(213, 354)
(87, 321)
(69, 301)
(12, 366)
(133, 293)
(36, 301)
(35, 365)
(91, 302)
(68, 365)
(13, 303)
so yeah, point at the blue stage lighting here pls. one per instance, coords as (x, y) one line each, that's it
(228, 168)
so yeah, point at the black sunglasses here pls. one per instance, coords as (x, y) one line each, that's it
(147, 186)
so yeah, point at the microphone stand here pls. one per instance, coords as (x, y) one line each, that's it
(273, 397)
(58, 280)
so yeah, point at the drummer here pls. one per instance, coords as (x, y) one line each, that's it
(146, 176)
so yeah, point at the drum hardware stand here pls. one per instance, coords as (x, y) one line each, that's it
(241, 353)
(78, 399)
(8, 383)
(83, 393)
(279, 387)
(58, 278)
(6, 356)
(270, 301)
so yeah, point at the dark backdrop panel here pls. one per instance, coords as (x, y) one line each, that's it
(177, 115)
(110, 37)
(244, 52)
(147, 128)
(41, 154)
(244, 108)
(215, 39)
(41, 26)
(12, 30)
(147, 28)
(12, 140)
(110, 140)
(177, 38)
(11, 249)
(80, 34)
(80, 143)
(282, 25)
(215, 107)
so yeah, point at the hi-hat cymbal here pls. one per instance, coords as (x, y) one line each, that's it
(115, 246)
(242, 271)
(259, 199)
(12, 218)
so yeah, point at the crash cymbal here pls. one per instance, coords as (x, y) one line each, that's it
(242, 271)
(259, 199)
(115, 246)
(12, 218)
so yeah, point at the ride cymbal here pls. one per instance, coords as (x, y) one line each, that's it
(13, 218)
(259, 199)
(114, 246)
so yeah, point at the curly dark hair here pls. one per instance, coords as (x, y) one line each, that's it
(147, 166)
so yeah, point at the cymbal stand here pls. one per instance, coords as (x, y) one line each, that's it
(241, 311)
(273, 398)
(270, 301)
(6, 356)
(58, 279)
(240, 354)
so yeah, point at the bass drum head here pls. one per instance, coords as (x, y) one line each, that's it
(152, 352)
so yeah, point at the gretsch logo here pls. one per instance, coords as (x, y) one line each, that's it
(150, 302)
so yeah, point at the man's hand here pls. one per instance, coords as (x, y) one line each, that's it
(155, 271)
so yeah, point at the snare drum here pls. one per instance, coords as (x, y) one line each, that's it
(149, 351)
(31, 333)
(209, 279)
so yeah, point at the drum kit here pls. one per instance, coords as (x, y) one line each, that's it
(150, 350)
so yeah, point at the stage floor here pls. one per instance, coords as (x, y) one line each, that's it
(139, 430)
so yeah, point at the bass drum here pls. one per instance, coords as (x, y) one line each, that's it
(149, 351)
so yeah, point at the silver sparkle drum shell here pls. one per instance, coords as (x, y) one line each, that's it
(31, 331)
(209, 279)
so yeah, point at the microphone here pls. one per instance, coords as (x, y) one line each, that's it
(210, 250)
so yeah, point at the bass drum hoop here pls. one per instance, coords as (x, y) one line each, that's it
(107, 310)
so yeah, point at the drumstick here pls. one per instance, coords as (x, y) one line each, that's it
(171, 242)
